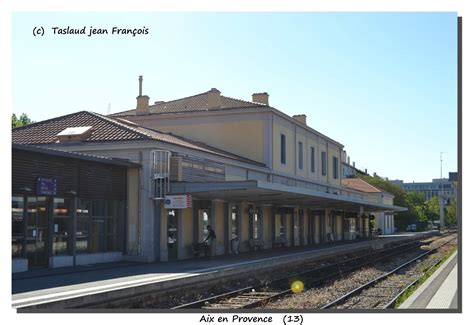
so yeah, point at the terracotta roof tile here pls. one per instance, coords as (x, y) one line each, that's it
(360, 185)
(107, 129)
(194, 103)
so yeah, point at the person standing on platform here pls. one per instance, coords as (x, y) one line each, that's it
(211, 237)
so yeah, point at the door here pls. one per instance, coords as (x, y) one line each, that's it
(37, 231)
(234, 221)
(172, 235)
(296, 229)
(322, 227)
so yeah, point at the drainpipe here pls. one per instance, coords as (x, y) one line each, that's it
(295, 146)
(140, 175)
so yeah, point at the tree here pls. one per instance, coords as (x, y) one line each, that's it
(21, 121)
(402, 219)
(433, 208)
(451, 213)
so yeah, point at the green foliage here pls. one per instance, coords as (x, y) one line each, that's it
(451, 214)
(21, 121)
(433, 208)
(415, 198)
(418, 211)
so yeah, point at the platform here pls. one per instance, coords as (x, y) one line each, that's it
(440, 291)
(86, 285)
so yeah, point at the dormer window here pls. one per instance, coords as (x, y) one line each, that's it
(74, 134)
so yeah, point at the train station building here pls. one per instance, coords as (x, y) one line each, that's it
(260, 178)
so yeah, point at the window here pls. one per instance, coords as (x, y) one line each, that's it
(283, 148)
(18, 232)
(204, 221)
(233, 222)
(98, 229)
(112, 225)
(323, 163)
(256, 223)
(61, 226)
(335, 167)
(300, 155)
(312, 160)
(83, 226)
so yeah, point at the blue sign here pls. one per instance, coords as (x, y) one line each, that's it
(46, 186)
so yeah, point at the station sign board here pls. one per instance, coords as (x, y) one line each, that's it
(46, 186)
(178, 201)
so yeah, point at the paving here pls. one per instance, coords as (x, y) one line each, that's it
(440, 291)
(75, 286)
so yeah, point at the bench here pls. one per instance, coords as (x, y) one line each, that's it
(199, 248)
(256, 244)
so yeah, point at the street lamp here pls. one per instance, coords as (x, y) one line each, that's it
(441, 197)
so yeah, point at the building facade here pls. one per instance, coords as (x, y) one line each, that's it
(67, 208)
(259, 178)
(384, 220)
(436, 188)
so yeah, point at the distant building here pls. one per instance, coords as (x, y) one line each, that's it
(384, 220)
(433, 188)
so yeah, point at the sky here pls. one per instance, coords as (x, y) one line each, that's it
(382, 84)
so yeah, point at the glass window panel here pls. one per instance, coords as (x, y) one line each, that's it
(60, 245)
(111, 243)
(82, 235)
(61, 226)
(257, 223)
(111, 226)
(233, 222)
(17, 216)
(82, 227)
(98, 208)
(97, 235)
(323, 163)
(17, 246)
(81, 244)
(31, 212)
(61, 207)
(111, 208)
(283, 148)
(204, 221)
(300, 155)
(84, 208)
(335, 167)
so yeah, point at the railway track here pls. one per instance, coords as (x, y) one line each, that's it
(382, 292)
(255, 296)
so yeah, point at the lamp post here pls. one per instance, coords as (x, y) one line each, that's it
(441, 196)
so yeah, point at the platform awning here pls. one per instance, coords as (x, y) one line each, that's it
(265, 193)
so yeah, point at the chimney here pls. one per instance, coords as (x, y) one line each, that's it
(213, 98)
(354, 164)
(143, 102)
(300, 118)
(349, 160)
(261, 98)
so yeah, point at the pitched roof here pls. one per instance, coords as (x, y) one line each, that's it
(194, 103)
(106, 129)
(199, 103)
(360, 185)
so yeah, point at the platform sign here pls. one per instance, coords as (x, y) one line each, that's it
(46, 186)
(178, 201)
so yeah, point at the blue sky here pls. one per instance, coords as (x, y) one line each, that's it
(383, 84)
